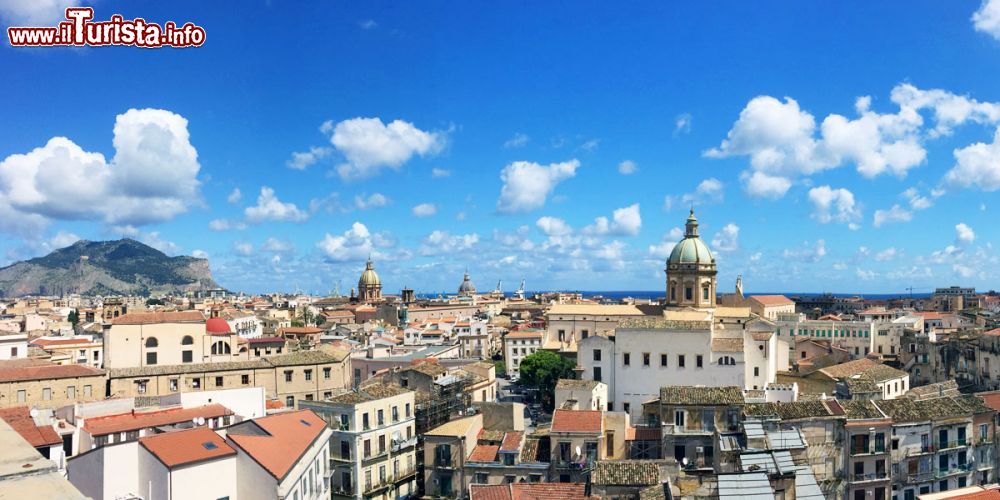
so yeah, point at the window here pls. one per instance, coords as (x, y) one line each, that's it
(381, 444)
(288, 375)
(680, 360)
(140, 386)
(196, 383)
(597, 354)
(626, 359)
(699, 361)
(172, 384)
(245, 379)
(218, 381)
(150, 358)
(756, 371)
(290, 401)
(326, 373)
(345, 450)
(187, 356)
(87, 391)
(679, 418)
(221, 347)
(151, 342)
(71, 392)
(727, 361)
(13, 352)
(983, 433)
(368, 448)
(584, 334)
(309, 375)
(364, 421)
(626, 407)
(22, 395)
(395, 414)
(645, 359)
(381, 418)
(688, 293)
(597, 373)
(663, 360)
(407, 410)
(704, 293)
(187, 340)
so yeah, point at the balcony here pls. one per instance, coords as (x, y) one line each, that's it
(390, 480)
(444, 463)
(404, 445)
(951, 445)
(913, 451)
(920, 477)
(342, 458)
(375, 456)
(871, 450)
(669, 429)
(873, 476)
(955, 469)
(342, 490)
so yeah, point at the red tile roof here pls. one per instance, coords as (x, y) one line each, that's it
(99, 426)
(529, 491)
(267, 340)
(188, 446)
(484, 453)
(16, 370)
(300, 330)
(19, 418)
(287, 436)
(59, 342)
(772, 300)
(511, 441)
(524, 334)
(148, 318)
(992, 399)
(576, 421)
(989, 494)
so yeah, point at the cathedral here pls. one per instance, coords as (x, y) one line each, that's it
(691, 271)
(369, 285)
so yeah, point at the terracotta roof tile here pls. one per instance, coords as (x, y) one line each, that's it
(576, 421)
(484, 453)
(99, 426)
(148, 318)
(188, 446)
(626, 473)
(19, 418)
(772, 300)
(286, 436)
(687, 395)
(529, 491)
(727, 345)
(511, 441)
(15, 370)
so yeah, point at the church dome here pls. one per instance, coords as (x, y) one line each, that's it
(369, 277)
(467, 286)
(691, 250)
(217, 326)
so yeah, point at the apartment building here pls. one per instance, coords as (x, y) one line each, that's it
(578, 438)
(30, 382)
(517, 345)
(373, 441)
(299, 376)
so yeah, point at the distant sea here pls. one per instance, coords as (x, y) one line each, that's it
(655, 294)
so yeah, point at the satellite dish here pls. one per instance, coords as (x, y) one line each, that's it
(684, 461)
(578, 451)
(201, 420)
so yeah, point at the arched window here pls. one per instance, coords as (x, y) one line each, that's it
(221, 347)
(187, 340)
(727, 361)
(151, 342)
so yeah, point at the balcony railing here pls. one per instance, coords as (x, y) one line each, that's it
(444, 463)
(389, 480)
(871, 450)
(955, 469)
(913, 451)
(682, 429)
(344, 490)
(919, 477)
(872, 476)
(950, 445)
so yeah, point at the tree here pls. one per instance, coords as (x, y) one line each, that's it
(542, 370)
(74, 317)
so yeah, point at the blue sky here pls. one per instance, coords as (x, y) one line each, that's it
(841, 147)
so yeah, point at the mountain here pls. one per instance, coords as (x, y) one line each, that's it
(123, 267)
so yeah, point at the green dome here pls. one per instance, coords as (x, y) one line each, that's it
(691, 250)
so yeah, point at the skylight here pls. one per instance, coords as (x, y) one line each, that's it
(208, 445)
(307, 424)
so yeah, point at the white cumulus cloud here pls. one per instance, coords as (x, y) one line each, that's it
(894, 214)
(834, 205)
(270, 208)
(627, 167)
(305, 159)
(527, 185)
(987, 18)
(151, 178)
(368, 145)
(964, 233)
(727, 239)
(424, 210)
(376, 200)
(353, 245)
(977, 165)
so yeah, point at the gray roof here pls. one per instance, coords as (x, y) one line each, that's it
(745, 486)
(788, 439)
(805, 484)
(774, 462)
(754, 429)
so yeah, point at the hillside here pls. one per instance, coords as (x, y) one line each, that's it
(122, 266)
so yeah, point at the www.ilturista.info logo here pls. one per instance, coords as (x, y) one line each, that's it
(79, 30)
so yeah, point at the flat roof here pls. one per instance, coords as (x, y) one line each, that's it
(745, 486)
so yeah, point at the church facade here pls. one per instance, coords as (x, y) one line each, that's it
(692, 341)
